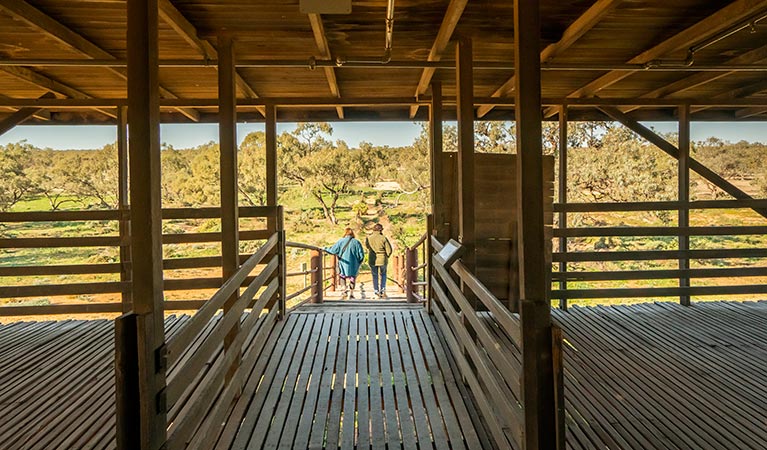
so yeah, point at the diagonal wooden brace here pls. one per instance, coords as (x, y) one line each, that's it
(673, 151)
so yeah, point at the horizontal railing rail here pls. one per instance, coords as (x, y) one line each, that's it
(315, 282)
(585, 273)
(83, 276)
(492, 372)
(211, 356)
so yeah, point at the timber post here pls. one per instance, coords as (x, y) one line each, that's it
(140, 353)
(538, 385)
(411, 261)
(684, 200)
(333, 273)
(282, 271)
(123, 204)
(563, 200)
(227, 129)
(315, 265)
(437, 171)
(271, 162)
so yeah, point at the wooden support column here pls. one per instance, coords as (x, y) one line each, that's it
(563, 197)
(465, 107)
(139, 353)
(537, 378)
(437, 171)
(227, 132)
(123, 203)
(271, 163)
(684, 199)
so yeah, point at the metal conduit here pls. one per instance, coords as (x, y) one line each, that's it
(376, 64)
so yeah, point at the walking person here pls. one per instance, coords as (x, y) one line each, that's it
(350, 256)
(379, 250)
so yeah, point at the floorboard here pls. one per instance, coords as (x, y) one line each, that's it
(376, 376)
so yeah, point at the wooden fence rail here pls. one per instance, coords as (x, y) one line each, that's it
(486, 346)
(118, 270)
(684, 274)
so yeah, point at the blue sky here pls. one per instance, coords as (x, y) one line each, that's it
(378, 133)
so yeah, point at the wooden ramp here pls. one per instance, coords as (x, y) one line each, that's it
(369, 378)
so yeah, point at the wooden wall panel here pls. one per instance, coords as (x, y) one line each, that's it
(496, 224)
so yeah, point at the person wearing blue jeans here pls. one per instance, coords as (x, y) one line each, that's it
(379, 249)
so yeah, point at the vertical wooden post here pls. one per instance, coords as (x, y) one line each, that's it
(143, 361)
(563, 199)
(429, 252)
(123, 203)
(537, 379)
(227, 132)
(315, 262)
(283, 269)
(684, 200)
(333, 273)
(411, 261)
(271, 162)
(437, 171)
(465, 107)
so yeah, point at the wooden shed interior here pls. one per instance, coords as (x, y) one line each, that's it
(476, 358)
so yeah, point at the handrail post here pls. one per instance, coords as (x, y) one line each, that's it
(429, 251)
(282, 270)
(411, 261)
(334, 273)
(557, 360)
(315, 264)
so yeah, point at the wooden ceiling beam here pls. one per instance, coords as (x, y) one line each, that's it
(726, 17)
(588, 20)
(34, 17)
(750, 112)
(449, 22)
(184, 28)
(321, 39)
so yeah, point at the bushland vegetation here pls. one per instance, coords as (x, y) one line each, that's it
(325, 184)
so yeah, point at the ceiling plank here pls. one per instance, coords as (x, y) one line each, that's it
(38, 19)
(588, 20)
(731, 14)
(750, 112)
(51, 85)
(318, 30)
(449, 22)
(184, 28)
(671, 90)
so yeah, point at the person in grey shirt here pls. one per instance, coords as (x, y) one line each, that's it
(379, 250)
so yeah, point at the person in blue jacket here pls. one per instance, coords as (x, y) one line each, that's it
(350, 256)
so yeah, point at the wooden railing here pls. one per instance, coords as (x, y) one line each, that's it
(485, 339)
(417, 271)
(118, 271)
(315, 274)
(207, 370)
(689, 264)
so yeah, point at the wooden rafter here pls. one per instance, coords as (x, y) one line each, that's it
(181, 25)
(575, 31)
(750, 112)
(16, 118)
(38, 19)
(51, 85)
(739, 92)
(449, 22)
(318, 29)
(720, 20)
(673, 89)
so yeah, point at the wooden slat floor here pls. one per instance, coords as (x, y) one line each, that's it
(663, 376)
(637, 377)
(375, 378)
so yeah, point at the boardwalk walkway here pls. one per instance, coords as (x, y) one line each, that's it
(654, 376)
